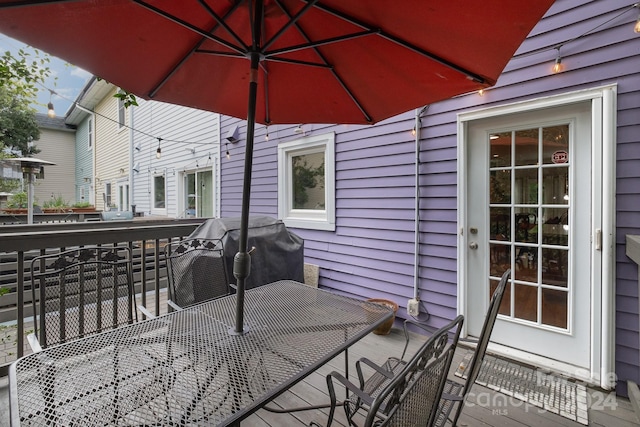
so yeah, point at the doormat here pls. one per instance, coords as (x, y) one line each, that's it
(543, 390)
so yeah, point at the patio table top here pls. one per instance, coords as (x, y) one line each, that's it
(186, 368)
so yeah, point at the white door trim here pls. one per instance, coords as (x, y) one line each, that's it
(604, 138)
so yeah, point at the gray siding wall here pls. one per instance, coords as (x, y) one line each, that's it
(371, 252)
(56, 146)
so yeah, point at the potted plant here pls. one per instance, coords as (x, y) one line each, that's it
(17, 204)
(385, 327)
(56, 205)
(83, 207)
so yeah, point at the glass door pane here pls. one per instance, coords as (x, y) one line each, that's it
(529, 205)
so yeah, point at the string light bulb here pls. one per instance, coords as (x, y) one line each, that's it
(413, 131)
(228, 154)
(51, 112)
(481, 92)
(159, 150)
(557, 66)
(636, 28)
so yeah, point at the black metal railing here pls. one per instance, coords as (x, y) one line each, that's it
(20, 243)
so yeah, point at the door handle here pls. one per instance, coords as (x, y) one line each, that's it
(473, 245)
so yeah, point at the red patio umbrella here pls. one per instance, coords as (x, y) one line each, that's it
(295, 61)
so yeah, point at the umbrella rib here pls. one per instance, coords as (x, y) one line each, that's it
(224, 25)
(157, 87)
(321, 42)
(333, 71)
(416, 49)
(296, 62)
(191, 27)
(292, 21)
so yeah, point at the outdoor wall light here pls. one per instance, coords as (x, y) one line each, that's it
(138, 147)
(136, 167)
(233, 134)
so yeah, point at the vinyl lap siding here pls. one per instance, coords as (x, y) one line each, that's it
(56, 146)
(112, 149)
(182, 129)
(371, 252)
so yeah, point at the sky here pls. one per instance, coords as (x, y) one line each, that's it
(69, 83)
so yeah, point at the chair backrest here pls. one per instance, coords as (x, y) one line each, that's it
(80, 292)
(196, 271)
(412, 397)
(485, 333)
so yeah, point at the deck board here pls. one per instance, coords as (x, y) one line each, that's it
(485, 408)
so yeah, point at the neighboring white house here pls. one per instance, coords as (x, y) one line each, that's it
(182, 180)
(117, 161)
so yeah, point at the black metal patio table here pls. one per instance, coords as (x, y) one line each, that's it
(188, 367)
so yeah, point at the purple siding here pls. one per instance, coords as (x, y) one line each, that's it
(371, 252)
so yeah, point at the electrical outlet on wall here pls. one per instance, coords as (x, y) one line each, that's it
(413, 307)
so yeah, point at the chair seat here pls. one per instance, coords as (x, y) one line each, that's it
(402, 391)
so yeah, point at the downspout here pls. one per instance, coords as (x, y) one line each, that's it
(416, 261)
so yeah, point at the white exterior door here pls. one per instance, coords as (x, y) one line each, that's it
(530, 194)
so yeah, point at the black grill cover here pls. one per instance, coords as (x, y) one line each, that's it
(279, 253)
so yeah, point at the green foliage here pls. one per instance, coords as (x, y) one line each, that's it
(9, 185)
(304, 177)
(18, 200)
(56, 202)
(82, 205)
(128, 98)
(21, 77)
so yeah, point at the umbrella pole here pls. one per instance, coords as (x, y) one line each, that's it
(242, 260)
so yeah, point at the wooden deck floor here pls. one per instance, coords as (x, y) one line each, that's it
(485, 408)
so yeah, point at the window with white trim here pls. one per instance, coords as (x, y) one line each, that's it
(90, 133)
(121, 113)
(159, 192)
(306, 182)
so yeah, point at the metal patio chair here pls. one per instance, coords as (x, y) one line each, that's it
(79, 292)
(456, 391)
(196, 272)
(408, 396)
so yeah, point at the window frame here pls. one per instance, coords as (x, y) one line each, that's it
(307, 218)
(90, 134)
(158, 210)
(121, 113)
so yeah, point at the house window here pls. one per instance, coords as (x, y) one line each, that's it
(121, 111)
(306, 182)
(90, 133)
(107, 196)
(159, 193)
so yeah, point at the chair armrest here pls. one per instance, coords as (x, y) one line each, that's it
(348, 385)
(34, 343)
(146, 312)
(373, 366)
(173, 305)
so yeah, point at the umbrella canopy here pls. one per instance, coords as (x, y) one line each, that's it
(281, 61)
